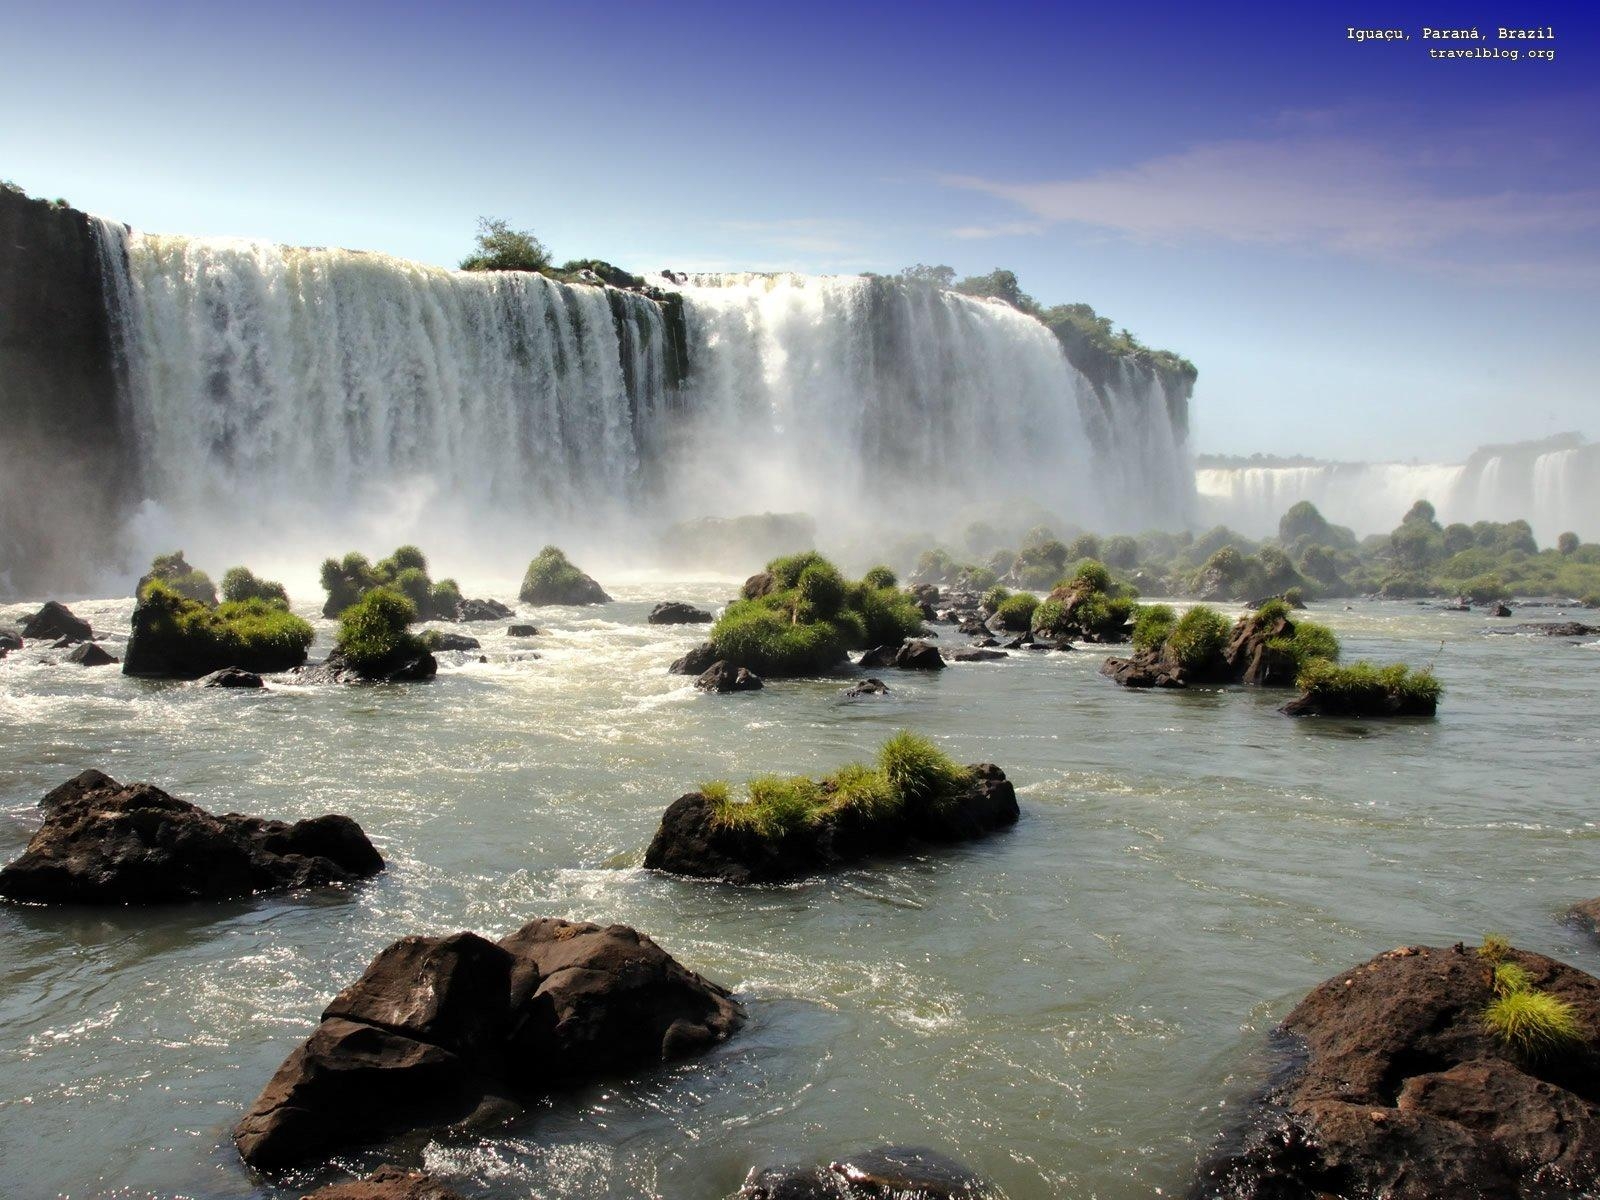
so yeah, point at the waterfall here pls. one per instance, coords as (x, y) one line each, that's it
(1553, 484)
(278, 397)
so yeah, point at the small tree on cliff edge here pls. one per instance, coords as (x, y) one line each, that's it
(501, 248)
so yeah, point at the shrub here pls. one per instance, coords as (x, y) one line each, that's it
(976, 579)
(994, 598)
(238, 583)
(918, 771)
(1151, 625)
(1534, 1023)
(880, 577)
(755, 634)
(174, 635)
(1510, 977)
(446, 598)
(1295, 597)
(1567, 543)
(1093, 575)
(1495, 948)
(776, 807)
(176, 573)
(1016, 611)
(501, 248)
(786, 571)
(1050, 618)
(889, 615)
(1121, 551)
(820, 591)
(1085, 545)
(1104, 617)
(372, 633)
(1272, 610)
(552, 579)
(1199, 636)
(934, 566)
(414, 585)
(1310, 641)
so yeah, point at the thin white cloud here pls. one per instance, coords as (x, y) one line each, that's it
(1336, 194)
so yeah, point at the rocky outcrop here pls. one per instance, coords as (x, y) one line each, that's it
(697, 662)
(977, 654)
(448, 642)
(10, 639)
(55, 620)
(723, 676)
(404, 666)
(522, 631)
(1396, 1087)
(106, 843)
(887, 1173)
(914, 655)
(692, 841)
(387, 1183)
(440, 1030)
(1250, 657)
(88, 654)
(231, 677)
(675, 612)
(483, 610)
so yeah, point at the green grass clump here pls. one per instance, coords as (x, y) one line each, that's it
(994, 598)
(811, 618)
(372, 633)
(1091, 574)
(1309, 641)
(1016, 611)
(1533, 1022)
(239, 583)
(880, 577)
(177, 574)
(1495, 948)
(1365, 687)
(1510, 977)
(348, 579)
(552, 579)
(1199, 636)
(976, 578)
(182, 637)
(1151, 625)
(910, 772)
(446, 597)
(1273, 610)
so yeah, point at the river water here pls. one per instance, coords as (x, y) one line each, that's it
(1075, 1008)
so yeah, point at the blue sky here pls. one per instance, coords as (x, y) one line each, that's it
(1368, 253)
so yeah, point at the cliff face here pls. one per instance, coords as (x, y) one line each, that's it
(64, 465)
(1106, 369)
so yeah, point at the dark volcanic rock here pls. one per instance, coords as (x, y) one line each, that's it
(402, 668)
(483, 610)
(105, 843)
(55, 620)
(758, 585)
(522, 631)
(1500, 610)
(1144, 670)
(868, 687)
(1546, 629)
(914, 655)
(877, 658)
(696, 662)
(977, 654)
(386, 1183)
(441, 1028)
(690, 840)
(725, 677)
(887, 1173)
(1249, 657)
(10, 639)
(675, 612)
(231, 677)
(451, 641)
(1404, 1093)
(87, 654)
(1389, 704)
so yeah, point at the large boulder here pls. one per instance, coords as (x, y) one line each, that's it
(675, 612)
(231, 677)
(55, 620)
(1396, 1087)
(887, 1173)
(1252, 655)
(692, 841)
(723, 676)
(406, 665)
(106, 843)
(386, 1183)
(483, 610)
(10, 639)
(442, 1030)
(89, 654)
(696, 662)
(552, 579)
(913, 655)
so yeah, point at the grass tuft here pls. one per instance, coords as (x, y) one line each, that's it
(1534, 1023)
(1495, 948)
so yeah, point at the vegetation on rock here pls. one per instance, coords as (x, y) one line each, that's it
(373, 640)
(348, 579)
(552, 579)
(179, 637)
(176, 573)
(239, 583)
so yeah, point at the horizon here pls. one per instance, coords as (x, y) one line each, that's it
(1358, 274)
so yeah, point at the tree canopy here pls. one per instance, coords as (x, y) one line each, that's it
(501, 248)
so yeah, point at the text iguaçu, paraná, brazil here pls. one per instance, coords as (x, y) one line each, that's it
(1546, 33)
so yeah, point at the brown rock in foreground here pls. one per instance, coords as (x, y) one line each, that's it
(103, 842)
(386, 1183)
(1405, 1093)
(887, 1173)
(445, 1030)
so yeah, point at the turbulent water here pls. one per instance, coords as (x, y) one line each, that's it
(1555, 490)
(1075, 1007)
(286, 398)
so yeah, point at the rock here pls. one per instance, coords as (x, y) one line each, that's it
(1586, 914)
(403, 668)
(675, 612)
(1544, 629)
(877, 658)
(696, 661)
(521, 631)
(10, 639)
(552, 579)
(1143, 670)
(867, 687)
(438, 1029)
(917, 655)
(758, 585)
(887, 1173)
(55, 620)
(977, 654)
(723, 676)
(1397, 1088)
(451, 641)
(1501, 609)
(690, 840)
(973, 626)
(387, 1183)
(88, 654)
(231, 677)
(1387, 704)
(106, 843)
(64, 643)
(986, 642)
(924, 593)
(483, 610)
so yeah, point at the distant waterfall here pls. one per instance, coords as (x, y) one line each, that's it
(1554, 485)
(279, 396)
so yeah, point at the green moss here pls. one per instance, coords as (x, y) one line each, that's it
(372, 633)
(174, 635)
(1534, 1023)
(552, 579)
(1365, 687)
(238, 583)
(1199, 636)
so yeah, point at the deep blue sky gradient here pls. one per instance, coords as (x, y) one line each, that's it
(1369, 254)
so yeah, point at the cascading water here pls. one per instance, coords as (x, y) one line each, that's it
(282, 398)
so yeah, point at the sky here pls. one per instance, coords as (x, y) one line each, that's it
(1369, 253)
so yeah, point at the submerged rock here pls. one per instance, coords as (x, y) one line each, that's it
(56, 620)
(483, 610)
(521, 631)
(696, 662)
(1501, 609)
(675, 612)
(914, 655)
(89, 654)
(1396, 1087)
(977, 654)
(402, 667)
(440, 1029)
(725, 677)
(10, 639)
(450, 641)
(887, 1173)
(692, 841)
(106, 843)
(387, 1183)
(868, 687)
(231, 677)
